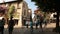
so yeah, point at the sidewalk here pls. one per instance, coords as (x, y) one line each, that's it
(28, 31)
(24, 30)
(50, 25)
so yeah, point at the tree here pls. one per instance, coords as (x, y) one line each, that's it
(11, 11)
(49, 6)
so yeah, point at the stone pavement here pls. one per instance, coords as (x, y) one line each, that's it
(24, 30)
(28, 31)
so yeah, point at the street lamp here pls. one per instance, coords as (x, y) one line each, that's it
(29, 13)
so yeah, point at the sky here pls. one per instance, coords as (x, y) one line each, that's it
(31, 5)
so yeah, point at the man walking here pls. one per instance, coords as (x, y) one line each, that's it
(2, 22)
(11, 25)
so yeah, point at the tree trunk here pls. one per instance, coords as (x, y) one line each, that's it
(57, 20)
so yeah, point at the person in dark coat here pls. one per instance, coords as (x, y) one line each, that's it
(2, 22)
(11, 25)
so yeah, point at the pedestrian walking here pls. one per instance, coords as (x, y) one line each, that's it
(45, 20)
(31, 26)
(27, 23)
(11, 25)
(35, 21)
(39, 20)
(2, 22)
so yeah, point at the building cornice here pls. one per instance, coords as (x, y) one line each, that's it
(9, 2)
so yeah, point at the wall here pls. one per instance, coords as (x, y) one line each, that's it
(20, 12)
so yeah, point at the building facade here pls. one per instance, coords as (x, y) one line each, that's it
(24, 13)
(21, 10)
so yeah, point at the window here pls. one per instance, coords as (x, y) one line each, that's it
(18, 7)
(24, 12)
(23, 5)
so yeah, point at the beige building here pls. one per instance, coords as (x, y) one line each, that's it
(21, 11)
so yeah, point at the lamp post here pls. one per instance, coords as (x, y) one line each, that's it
(29, 14)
